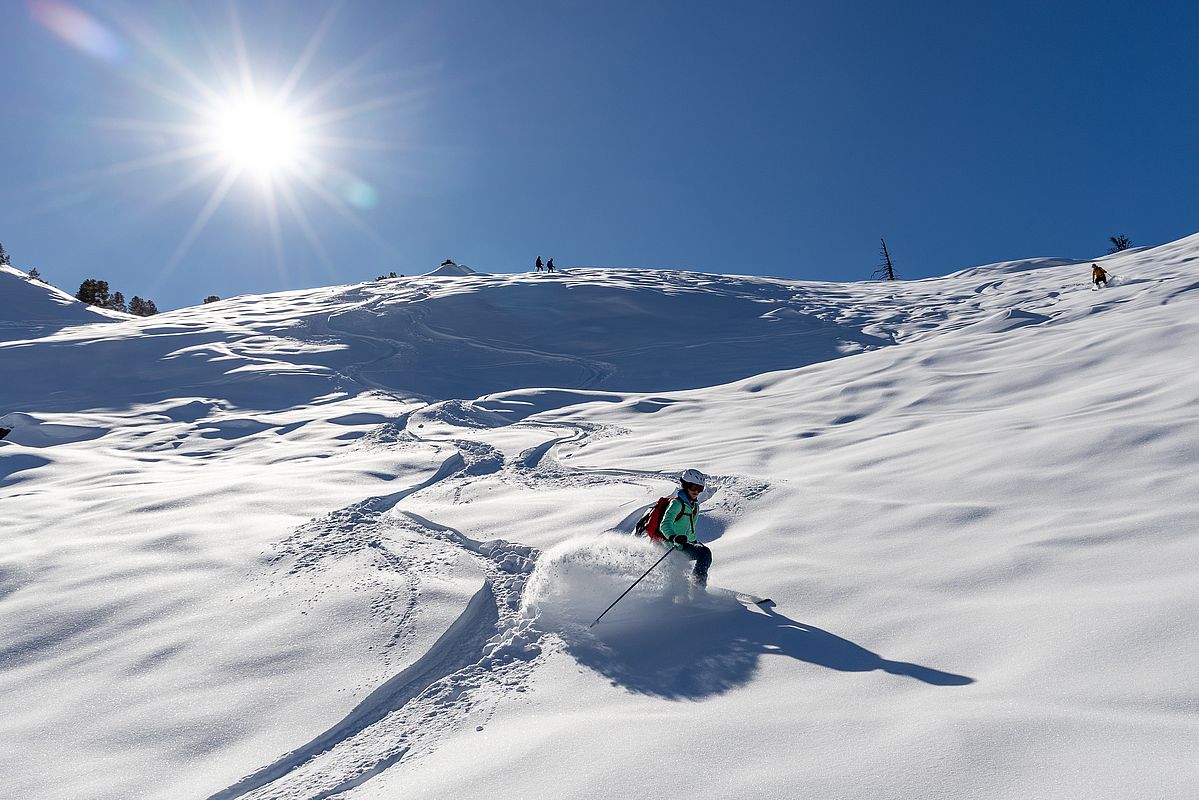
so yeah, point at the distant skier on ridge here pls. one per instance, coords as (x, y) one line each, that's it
(539, 264)
(549, 265)
(1098, 275)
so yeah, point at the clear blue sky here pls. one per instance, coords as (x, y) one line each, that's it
(765, 137)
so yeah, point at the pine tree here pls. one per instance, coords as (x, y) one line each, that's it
(117, 303)
(93, 292)
(34, 275)
(4, 257)
(142, 308)
(212, 298)
(886, 270)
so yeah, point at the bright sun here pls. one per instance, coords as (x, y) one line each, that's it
(258, 137)
(281, 141)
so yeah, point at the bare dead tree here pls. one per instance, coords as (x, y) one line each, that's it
(886, 270)
(1119, 243)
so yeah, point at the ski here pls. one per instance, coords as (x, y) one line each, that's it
(745, 597)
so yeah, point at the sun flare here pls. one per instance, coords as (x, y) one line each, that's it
(298, 139)
(258, 137)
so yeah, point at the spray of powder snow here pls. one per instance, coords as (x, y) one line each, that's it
(663, 639)
(575, 581)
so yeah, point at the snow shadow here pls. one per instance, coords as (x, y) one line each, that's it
(668, 640)
(10, 465)
(517, 405)
(693, 652)
(34, 431)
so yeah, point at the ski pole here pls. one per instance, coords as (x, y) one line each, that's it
(639, 580)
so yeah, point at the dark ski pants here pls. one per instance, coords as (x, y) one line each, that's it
(702, 557)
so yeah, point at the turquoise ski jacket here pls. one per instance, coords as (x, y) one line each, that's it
(685, 524)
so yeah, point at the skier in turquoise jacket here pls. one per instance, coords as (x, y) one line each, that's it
(678, 523)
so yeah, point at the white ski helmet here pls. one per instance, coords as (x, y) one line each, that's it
(693, 476)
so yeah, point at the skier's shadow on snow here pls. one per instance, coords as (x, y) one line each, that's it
(688, 653)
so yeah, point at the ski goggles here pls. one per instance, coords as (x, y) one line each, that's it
(693, 486)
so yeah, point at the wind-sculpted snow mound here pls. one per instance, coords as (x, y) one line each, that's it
(35, 431)
(451, 270)
(457, 414)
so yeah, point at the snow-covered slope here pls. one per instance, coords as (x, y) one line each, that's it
(348, 541)
(30, 308)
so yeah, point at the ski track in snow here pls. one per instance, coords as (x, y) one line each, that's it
(484, 647)
(490, 651)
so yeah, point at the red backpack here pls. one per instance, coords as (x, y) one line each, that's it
(649, 524)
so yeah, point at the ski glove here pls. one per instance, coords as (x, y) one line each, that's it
(680, 539)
